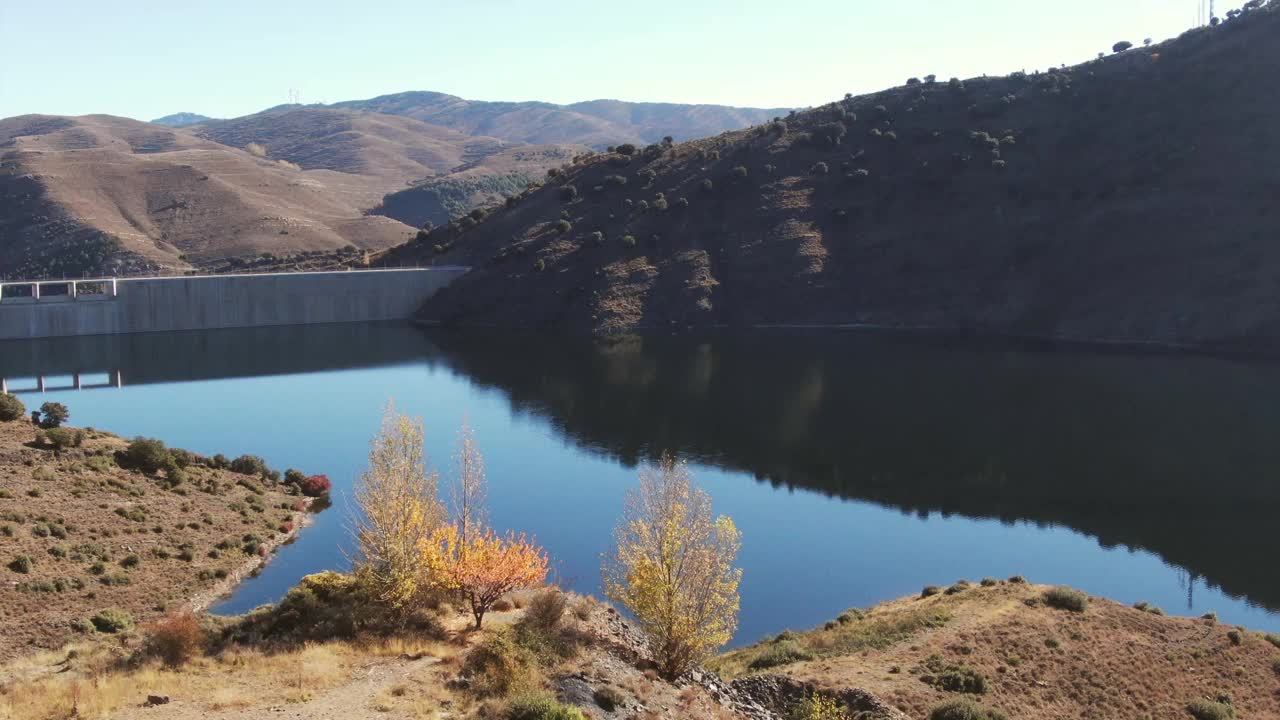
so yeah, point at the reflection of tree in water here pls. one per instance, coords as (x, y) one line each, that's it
(1172, 454)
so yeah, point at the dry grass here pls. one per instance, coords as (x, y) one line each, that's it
(124, 539)
(1038, 662)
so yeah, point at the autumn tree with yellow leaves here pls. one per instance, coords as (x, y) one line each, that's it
(672, 567)
(398, 514)
(408, 549)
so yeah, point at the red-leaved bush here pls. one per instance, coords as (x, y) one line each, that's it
(316, 485)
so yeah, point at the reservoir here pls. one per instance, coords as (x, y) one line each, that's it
(858, 466)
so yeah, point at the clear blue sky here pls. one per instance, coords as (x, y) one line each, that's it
(144, 59)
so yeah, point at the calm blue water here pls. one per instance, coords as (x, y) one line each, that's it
(858, 468)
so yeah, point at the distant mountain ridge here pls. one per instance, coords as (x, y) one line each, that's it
(182, 119)
(596, 123)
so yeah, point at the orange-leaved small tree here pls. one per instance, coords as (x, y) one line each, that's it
(488, 566)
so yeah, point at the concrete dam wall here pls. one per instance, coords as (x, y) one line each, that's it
(196, 302)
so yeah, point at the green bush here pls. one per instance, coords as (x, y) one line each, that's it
(112, 620)
(1235, 637)
(541, 707)
(819, 168)
(739, 173)
(62, 438)
(147, 455)
(930, 591)
(11, 408)
(781, 653)
(53, 414)
(21, 564)
(625, 149)
(629, 241)
(1273, 639)
(1018, 580)
(568, 192)
(953, 678)
(539, 265)
(1121, 46)
(989, 582)
(964, 709)
(1209, 710)
(499, 665)
(249, 465)
(563, 226)
(1065, 598)
(615, 180)
(707, 185)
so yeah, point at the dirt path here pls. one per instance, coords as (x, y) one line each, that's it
(358, 697)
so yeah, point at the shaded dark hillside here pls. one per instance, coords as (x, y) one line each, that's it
(1127, 199)
(597, 123)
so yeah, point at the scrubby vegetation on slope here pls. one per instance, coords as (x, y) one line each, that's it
(1121, 199)
(99, 533)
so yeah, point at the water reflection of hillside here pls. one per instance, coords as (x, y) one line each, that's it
(1173, 454)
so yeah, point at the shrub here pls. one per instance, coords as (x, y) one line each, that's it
(147, 455)
(930, 591)
(782, 653)
(1235, 637)
(819, 168)
(608, 698)
(539, 265)
(959, 587)
(249, 465)
(541, 707)
(597, 238)
(1213, 617)
(563, 226)
(1121, 46)
(568, 192)
(53, 414)
(130, 561)
(629, 240)
(1018, 580)
(913, 81)
(315, 486)
(177, 638)
(1209, 710)
(112, 620)
(615, 180)
(294, 476)
(1273, 639)
(682, 203)
(953, 678)
(545, 610)
(499, 665)
(817, 707)
(21, 564)
(964, 709)
(1065, 598)
(829, 133)
(61, 438)
(11, 408)
(739, 172)
(707, 185)
(625, 149)
(989, 582)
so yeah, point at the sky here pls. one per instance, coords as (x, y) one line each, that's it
(145, 59)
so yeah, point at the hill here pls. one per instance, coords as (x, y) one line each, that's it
(597, 123)
(182, 119)
(99, 194)
(1125, 199)
(1022, 650)
(397, 149)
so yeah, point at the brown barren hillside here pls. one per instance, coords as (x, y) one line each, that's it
(1004, 645)
(1125, 199)
(399, 149)
(79, 535)
(598, 123)
(100, 194)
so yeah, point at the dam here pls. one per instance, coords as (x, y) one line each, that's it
(115, 306)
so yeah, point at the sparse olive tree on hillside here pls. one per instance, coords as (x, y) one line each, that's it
(672, 567)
